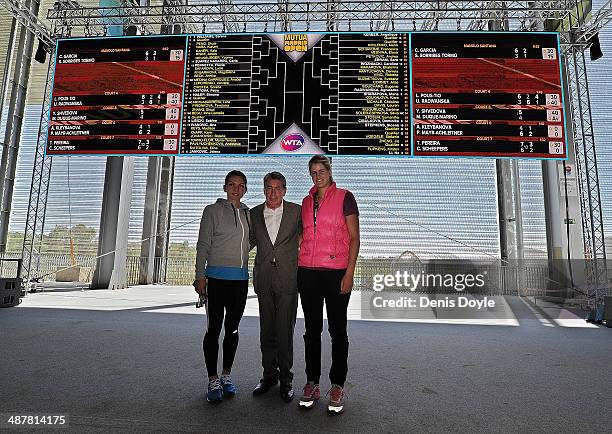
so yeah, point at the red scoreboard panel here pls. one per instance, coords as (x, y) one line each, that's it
(117, 96)
(487, 94)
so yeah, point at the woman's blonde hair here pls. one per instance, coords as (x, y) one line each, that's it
(321, 159)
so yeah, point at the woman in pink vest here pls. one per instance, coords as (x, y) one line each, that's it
(326, 266)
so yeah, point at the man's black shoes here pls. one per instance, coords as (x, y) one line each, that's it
(286, 392)
(263, 387)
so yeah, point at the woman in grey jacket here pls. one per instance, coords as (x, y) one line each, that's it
(222, 278)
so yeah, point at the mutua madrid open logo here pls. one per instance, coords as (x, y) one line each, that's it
(292, 142)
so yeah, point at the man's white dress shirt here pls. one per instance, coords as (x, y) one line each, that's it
(273, 220)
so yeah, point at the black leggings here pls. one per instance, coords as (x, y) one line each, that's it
(315, 287)
(229, 295)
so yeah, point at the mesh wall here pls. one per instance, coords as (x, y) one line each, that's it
(441, 207)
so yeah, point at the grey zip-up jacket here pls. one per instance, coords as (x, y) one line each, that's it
(224, 237)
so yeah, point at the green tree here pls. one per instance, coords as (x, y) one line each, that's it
(84, 238)
(14, 243)
(181, 250)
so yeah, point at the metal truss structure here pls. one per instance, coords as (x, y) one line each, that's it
(600, 19)
(322, 15)
(70, 19)
(39, 190)
(24, 16)
(233, 16)
(227, 16)
(596, 279)
(579, 32)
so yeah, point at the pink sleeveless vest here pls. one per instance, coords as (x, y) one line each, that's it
(327, 244)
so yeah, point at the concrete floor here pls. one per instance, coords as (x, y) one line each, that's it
(130, 361)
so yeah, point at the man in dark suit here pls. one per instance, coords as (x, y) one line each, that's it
(276, 228)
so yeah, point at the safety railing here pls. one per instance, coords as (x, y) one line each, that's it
(530, 279)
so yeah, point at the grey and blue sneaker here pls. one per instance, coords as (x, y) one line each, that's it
(229, 388)
(215, 391)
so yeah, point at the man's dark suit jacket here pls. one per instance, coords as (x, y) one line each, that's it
(284, 251)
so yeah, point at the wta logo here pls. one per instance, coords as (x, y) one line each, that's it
(292, 142)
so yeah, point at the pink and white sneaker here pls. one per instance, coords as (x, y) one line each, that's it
(312, 393)
(336, 399)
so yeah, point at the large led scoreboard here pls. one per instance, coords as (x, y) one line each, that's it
(407, 94)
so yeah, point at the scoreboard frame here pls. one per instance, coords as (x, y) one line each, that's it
(411, 114)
